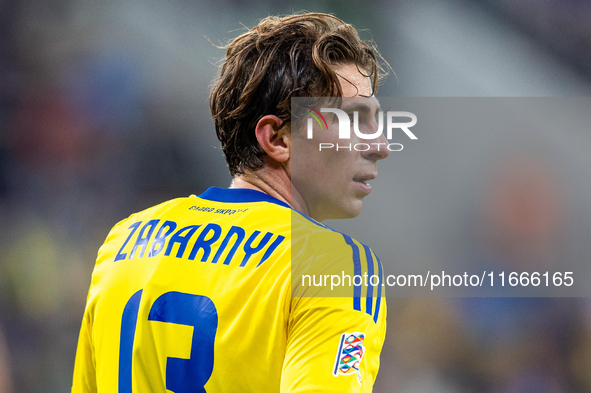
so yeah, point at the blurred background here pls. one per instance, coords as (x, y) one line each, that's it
(103, 112)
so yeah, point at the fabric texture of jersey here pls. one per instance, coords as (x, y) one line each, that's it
(196, 295)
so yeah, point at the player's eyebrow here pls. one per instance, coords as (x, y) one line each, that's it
(361, 107)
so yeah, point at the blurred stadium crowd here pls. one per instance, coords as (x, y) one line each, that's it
(103, 112)
(520, 223)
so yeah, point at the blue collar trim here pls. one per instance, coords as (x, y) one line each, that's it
(238, 195)
(241, 195)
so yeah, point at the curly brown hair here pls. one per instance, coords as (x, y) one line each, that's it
(281, 58)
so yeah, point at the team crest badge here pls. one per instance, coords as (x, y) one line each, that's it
(349, 355)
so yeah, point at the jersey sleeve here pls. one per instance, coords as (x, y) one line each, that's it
(334, 343)
(84, 380)
(332, 348)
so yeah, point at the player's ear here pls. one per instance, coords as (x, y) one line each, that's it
(274, 139)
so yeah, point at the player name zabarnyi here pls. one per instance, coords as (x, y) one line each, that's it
(174, 242)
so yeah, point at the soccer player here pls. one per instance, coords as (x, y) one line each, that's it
(197, 294)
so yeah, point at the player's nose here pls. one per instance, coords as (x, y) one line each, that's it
(378, 149)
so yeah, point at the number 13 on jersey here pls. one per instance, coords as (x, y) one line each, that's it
(182, 375)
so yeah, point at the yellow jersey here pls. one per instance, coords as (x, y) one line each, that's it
(199, 294)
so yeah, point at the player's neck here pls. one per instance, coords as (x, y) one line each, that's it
(277, 188)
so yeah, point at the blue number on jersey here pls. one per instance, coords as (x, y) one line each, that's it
(128, 324)
(182, 375)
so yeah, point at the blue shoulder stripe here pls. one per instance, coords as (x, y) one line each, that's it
(357, 271)
(369, 299)
(379, 297)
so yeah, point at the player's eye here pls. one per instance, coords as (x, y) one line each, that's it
(351, 117)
